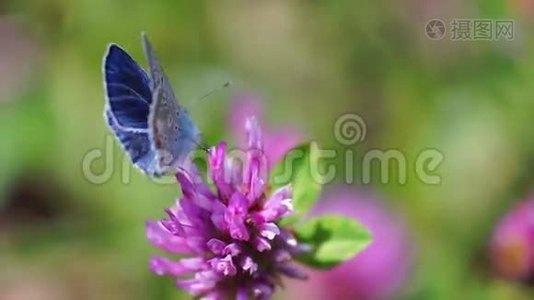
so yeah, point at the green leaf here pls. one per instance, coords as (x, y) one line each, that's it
(333, 240)
(300, 167)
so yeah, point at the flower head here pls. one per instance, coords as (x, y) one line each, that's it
(512, 246)
(230, 237)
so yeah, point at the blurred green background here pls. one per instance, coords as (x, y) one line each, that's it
(64, 237)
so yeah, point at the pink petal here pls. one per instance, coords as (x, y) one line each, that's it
(160, 237)
(279, 204)
(269, 230)
(165, 267)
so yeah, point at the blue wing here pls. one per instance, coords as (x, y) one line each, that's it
(127, 89)
(136, 144)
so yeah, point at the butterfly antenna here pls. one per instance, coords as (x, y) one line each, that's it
(201, 146)
(216, 89)
(205, 148)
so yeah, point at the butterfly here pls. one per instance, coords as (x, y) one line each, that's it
(153, 128)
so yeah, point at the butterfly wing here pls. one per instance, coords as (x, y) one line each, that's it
(127, 89)
(128, 97)
(171, 130)
(136, 144)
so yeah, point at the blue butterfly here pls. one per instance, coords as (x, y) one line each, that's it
(155, 131)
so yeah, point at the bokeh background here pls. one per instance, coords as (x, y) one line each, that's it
(64, 236)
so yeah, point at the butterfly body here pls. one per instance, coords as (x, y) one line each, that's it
(143, 113)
